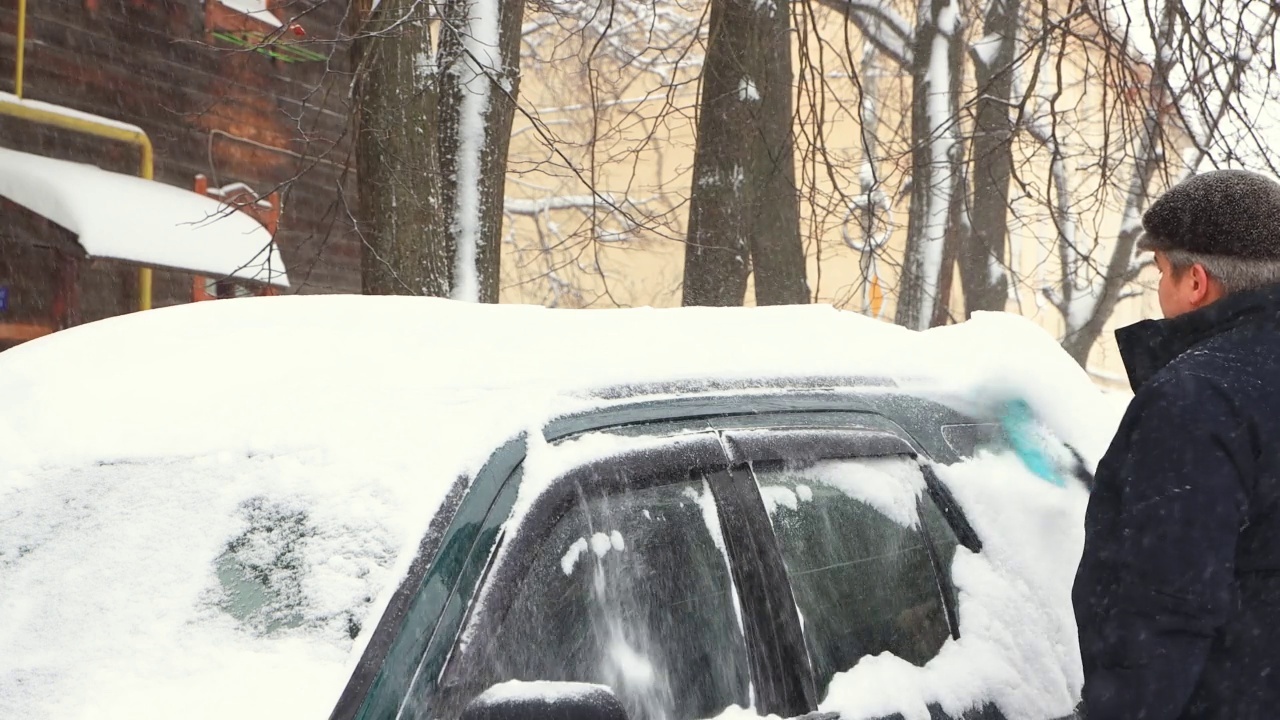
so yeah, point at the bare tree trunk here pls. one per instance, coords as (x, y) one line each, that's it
(479, 82)
(403, 250)
(717, 254)
(431, 151)
(982, 261)
(935, 155)
(777, 256)
(744, 208)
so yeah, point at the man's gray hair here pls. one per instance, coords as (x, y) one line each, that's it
(1235, 274)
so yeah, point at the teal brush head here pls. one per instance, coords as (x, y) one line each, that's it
(1027, 440)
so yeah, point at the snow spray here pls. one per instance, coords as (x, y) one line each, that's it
(1046, 457)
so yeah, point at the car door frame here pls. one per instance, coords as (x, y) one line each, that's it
(699, 451)
(380, 686)
(813, 443)
(465, 522)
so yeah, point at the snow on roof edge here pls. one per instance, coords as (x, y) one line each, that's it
(64, 111)
(150, 223)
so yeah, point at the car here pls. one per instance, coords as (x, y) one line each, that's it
(677, 566)
(647, 543)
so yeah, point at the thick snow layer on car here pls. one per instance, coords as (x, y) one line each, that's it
(114, 595)
(204, 509)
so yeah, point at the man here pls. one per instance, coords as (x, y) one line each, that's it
(1177, 596)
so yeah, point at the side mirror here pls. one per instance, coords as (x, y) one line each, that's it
(516, 700)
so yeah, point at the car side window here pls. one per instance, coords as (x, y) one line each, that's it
(860, 563)
(630, 589)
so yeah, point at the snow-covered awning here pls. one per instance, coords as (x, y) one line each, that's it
(150, 223)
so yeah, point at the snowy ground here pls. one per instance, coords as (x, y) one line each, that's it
(145, 458)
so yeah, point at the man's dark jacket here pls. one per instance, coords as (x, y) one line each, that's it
(1177, 596)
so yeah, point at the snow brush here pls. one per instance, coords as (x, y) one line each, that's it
(1035, 447)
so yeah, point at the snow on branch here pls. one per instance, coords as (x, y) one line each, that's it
(642, 36)
(538, 206)
(617, 225)
(887, 30)
(1055, 298)
(1078, 296)
(985, 51)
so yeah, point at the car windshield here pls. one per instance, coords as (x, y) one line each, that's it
(629, 589)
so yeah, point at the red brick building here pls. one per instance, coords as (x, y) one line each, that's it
(246, 93)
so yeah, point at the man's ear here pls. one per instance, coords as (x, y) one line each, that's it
(1204, 289)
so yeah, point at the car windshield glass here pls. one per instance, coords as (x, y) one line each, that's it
(629, 589)
(858, 561)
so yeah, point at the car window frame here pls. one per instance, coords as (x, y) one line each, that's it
(494, 489)
(815, 444)
(464, 522)
(699, 451)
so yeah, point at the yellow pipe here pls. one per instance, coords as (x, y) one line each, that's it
(144, 288)
(82, 123)
(88, 125)
(22, 47)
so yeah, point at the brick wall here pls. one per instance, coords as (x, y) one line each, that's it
(209, 107)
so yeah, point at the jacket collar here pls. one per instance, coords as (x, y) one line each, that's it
(1148, 346)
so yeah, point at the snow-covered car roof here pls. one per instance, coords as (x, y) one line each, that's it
(135, 451)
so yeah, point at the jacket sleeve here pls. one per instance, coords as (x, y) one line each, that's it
(1182, 506)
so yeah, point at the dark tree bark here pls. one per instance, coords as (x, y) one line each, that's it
(404, 249)
(923, 290)
(744, 211)
(434, 130)
(982, 260)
